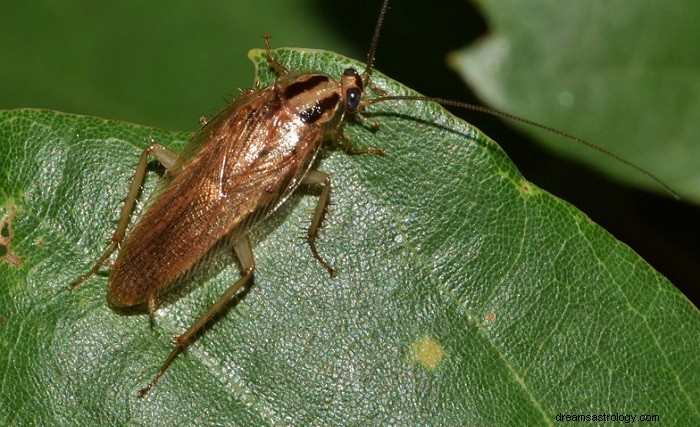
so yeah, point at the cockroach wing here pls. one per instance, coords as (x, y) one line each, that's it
(235, 170)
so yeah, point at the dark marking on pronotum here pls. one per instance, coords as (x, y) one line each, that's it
(313, 113)
(297, 88)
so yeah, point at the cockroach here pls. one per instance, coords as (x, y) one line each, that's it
(241, 166)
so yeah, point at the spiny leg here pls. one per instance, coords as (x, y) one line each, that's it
(244, 252)
(279, 69)
(316, 177)
(367, 80)
(312, 178)
(350, 148)
(167, 158)
(376, 89)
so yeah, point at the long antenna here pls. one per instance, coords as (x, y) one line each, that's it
(497, 113)
(375, 38)
(493, 112)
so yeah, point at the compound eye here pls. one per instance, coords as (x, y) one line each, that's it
(352, 98)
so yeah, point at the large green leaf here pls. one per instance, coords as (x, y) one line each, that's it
(465, 294)
(622, 74)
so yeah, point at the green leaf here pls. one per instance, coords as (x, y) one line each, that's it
(465, 294)
(621, 74)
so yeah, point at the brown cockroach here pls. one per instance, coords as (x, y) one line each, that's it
(238, 168)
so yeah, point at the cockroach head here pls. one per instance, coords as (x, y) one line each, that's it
(353, 88)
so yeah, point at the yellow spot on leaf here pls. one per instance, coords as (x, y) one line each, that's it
(525, 187)
(427, 352)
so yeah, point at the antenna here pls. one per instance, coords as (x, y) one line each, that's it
(491, 111)
(501, 114)
(375, 38)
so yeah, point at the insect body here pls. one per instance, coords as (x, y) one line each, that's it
(239, 167)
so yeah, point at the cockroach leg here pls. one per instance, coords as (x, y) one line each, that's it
(316, 177)
(350, 148)
(279, 69)
(244, 252)
(167, 158)
(152, 306)
(376, 89)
